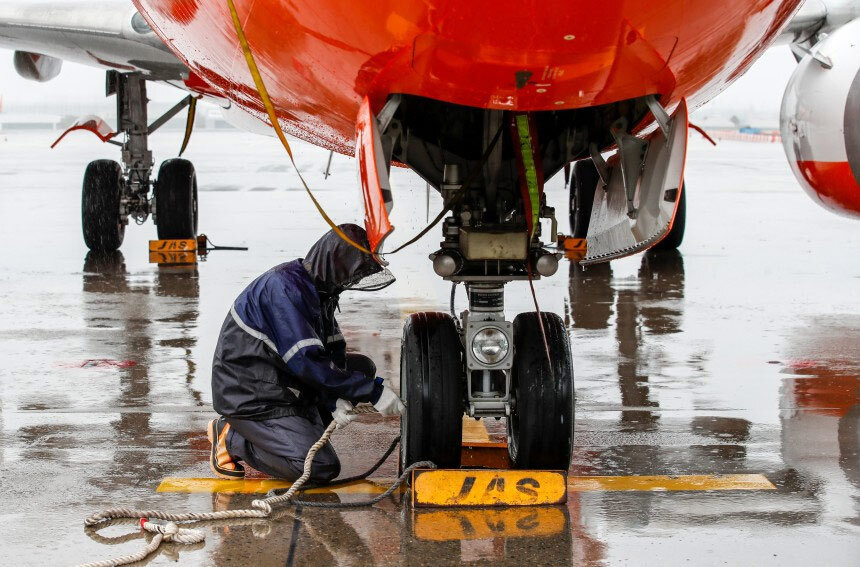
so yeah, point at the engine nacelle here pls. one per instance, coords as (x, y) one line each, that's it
(820, 121)
(36, 67)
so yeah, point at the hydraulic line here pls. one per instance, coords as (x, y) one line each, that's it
(540, 319)
(456, 198)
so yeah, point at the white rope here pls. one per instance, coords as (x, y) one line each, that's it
(172, 532)
(168, 532)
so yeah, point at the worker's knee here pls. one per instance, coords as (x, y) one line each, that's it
(326, 465)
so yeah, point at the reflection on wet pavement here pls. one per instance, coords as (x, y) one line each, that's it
(705, 362)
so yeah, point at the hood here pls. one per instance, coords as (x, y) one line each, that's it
(335, 265)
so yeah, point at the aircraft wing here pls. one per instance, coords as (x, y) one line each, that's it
(107, 34)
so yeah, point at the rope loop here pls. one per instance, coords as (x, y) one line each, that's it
(262, 505)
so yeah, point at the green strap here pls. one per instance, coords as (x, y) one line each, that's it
(530, 171)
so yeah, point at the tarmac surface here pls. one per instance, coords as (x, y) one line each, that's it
(737, 355)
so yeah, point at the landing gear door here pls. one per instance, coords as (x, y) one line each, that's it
(373, 176)
(616, 228)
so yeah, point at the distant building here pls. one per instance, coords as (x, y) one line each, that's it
(20, 121)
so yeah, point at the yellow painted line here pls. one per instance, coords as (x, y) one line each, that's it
(474, 431)
(258, 486)
(666, 483)
(487, 487)
(574, 484)
(484, 523)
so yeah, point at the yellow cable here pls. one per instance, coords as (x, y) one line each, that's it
(267, 102)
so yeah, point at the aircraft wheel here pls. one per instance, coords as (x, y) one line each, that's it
(176, 200)
(540, 427)
(583, 184)
(100, 204)
(432, 386)
(676, 236)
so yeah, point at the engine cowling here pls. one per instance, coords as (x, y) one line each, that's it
(820, 121)
(36, 67)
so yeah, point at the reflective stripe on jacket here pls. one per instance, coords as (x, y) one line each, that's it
(281, 352)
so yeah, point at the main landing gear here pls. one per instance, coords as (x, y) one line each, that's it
(113, 192)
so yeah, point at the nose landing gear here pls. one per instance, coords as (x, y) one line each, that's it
(487, 368)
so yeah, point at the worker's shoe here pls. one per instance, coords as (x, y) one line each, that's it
(220, 461)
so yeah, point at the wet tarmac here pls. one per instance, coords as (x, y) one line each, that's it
(738, 355)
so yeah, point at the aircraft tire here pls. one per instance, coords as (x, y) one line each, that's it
(675, 237)
(583, 184)
(432, 386)
(176, 200)
(540, 427)
(100, 206)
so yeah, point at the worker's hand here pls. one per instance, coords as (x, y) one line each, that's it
(389, 403)
(341, 414)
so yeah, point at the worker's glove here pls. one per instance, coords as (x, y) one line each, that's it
(389, 403)
(342, 413)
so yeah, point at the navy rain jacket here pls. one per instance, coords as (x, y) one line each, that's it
(280, 351)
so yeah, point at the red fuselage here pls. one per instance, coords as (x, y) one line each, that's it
(319, 58)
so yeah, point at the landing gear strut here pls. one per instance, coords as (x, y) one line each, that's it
(114, 192)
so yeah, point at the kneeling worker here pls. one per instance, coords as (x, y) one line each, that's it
(281, 366)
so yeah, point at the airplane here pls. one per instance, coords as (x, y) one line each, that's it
(485, 101)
